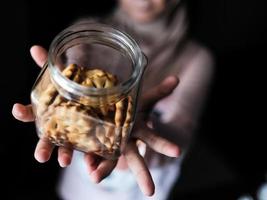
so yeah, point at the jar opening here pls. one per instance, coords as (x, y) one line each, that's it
(95, 45)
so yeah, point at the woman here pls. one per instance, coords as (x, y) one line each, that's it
(160, 28)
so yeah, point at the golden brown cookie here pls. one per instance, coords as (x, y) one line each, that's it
(86, 125)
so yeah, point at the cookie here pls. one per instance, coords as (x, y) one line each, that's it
(89, 125)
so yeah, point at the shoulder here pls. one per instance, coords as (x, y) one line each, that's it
(199, 58)
(203, 54)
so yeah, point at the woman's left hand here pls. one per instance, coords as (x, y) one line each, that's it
(99, 168)
(152, 139)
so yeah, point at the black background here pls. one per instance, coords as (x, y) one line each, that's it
(228, 156)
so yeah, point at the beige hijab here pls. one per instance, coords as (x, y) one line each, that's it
(161, 40)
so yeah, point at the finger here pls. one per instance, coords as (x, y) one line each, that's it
(137, 165)
(43, 150)
(64, 156)
(39, 55)
(158, 92)
(23, 113)
(91, 161)
(103, 170)
(158, 143)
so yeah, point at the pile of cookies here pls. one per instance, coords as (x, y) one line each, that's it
(99, 128)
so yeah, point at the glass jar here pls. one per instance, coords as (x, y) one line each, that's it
(85, 96)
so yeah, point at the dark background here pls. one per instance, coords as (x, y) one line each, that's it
(228, 156)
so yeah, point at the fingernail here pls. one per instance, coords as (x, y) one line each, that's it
(175, 152)
(41, 156)
(64, 161)
(95, 178)
(16, 112)
(148, 191)
(62, 164)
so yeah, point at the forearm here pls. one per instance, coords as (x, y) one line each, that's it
(180, 113)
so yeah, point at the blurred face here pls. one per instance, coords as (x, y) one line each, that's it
(143, 11)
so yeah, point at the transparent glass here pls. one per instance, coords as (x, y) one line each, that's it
(85, 97)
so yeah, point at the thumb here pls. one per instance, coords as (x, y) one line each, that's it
(39, 55)
(23, 113)
(158, 92)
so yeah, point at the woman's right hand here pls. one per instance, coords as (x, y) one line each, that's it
(24, 113)
(98, 168)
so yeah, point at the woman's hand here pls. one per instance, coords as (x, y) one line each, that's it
(99, 168)
(143, 132)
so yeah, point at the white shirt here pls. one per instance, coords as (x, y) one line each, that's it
(75, 183)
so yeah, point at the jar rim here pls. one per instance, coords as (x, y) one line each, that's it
(139, 59)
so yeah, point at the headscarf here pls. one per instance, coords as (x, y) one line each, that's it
(161, 40)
